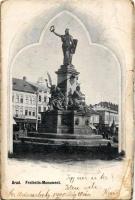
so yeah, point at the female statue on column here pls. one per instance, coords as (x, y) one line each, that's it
(68, 45)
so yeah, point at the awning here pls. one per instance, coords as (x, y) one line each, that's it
(20, 120)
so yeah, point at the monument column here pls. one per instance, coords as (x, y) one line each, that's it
(67, 74)
(67, 79)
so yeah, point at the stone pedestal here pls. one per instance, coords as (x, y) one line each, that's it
(67, 121)
(67, 77)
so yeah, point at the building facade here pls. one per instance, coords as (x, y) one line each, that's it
(28, 101)
(94, 117)
(108, 119)
(42, 97)
(108, 113)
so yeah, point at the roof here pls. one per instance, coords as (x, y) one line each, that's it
(41, 87)
(106, 106)
(23, 86)
(92, 111)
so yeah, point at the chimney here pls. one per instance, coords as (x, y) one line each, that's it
(24, 78)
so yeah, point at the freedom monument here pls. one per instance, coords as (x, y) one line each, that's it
(67, 120)
(68, 112)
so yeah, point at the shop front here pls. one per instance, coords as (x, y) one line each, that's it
(24, 124)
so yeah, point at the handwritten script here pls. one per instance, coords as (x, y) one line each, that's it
(73, 187)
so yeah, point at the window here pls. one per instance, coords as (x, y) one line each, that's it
(27, 99)
(21, 110)
(26, 112)
(17, 98)
(21, 99)
(107, 117)
(44, 109)
(39, 108)
(33, 113)
(45, 99)
(30, 100)
(17, 112)
(33, 100)
(39, 98)
(87, 122)
(29, 113)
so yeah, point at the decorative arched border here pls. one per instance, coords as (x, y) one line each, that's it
(121, 81)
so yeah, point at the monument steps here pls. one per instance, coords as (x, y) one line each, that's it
(64, 136)
(69, 142)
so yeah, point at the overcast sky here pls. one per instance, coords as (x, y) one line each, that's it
(99, 75)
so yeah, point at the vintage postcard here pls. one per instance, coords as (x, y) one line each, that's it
(67, 70)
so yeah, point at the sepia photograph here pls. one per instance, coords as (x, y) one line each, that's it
(68, 113)
(50, 107)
